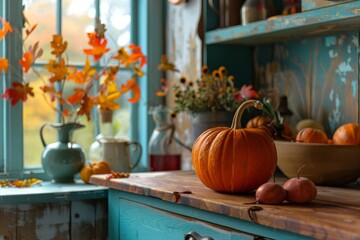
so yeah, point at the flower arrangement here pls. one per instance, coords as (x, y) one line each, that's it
(83, 98)
(214, 91)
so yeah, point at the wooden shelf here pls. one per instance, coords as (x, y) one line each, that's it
(322, 21)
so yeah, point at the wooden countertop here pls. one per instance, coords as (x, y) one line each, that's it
(334, 214)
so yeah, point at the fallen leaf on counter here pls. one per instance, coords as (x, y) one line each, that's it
(251, 213)
(117, 175)
(178, 195)
(20, 183)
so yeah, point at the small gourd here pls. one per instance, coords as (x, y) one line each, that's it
(347, 134)
(235, 159)
(100, 167)
(258, 121)
(311, 135)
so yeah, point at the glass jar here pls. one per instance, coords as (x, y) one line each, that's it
(252, 11)
(106, 132)
(164, 151)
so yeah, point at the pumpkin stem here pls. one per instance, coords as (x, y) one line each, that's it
(298, 172)
(236, 123)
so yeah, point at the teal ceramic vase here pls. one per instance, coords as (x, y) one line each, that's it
(61, 160)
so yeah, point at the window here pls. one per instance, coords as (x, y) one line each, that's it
(72, 19)
(126, 20)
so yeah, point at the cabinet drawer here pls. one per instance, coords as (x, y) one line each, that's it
(138, 221)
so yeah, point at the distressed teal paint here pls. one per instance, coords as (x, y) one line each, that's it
(13, 129)
(2, 102)
(319, 76)
(119, 205)
(354, 87)
(236, 58)
(306, 24)
(162, 225)
(52, 192)
(313, 4)
(150, 31)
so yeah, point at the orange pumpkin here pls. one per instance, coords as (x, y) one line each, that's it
(101, 167)
(311, 135)
(235, 159)
(258, 121)
(347, 134)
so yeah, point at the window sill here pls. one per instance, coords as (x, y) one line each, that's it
(52, 192)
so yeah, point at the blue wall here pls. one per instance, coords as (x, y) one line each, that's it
(319, 76)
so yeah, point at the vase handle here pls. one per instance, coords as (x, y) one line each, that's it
(41, 133)
(137, 146)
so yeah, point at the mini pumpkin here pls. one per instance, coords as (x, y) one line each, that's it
(100, 167)
(258, 121)
(347, 134)
(311, 135)
(235, 159)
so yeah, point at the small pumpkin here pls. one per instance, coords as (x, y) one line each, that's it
(347, 134)
(311, 135)
(235, 159)
(258, 121)
(100, 167)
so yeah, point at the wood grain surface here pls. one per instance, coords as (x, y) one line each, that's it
(334, 214)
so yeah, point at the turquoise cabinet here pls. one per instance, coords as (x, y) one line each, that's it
(136, 217)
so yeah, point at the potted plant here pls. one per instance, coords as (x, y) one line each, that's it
(211, 100)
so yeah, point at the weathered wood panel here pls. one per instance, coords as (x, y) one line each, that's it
(81, 220)
(43, 221)
(89, 219)
(101, 219)
(8, 222)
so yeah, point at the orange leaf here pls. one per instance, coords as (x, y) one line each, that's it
(136, 92)
(82, 76)
(77, 96)
(29, 31)
(130, 83)
(66, 112)
(6, 28)
(18, 92)
(99, 46)
(58, 45)
(26, 62)
(4, 64)
(137, 55)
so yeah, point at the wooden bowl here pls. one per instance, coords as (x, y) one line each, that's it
(326, 164)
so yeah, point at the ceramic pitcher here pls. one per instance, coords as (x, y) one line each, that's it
(116, 152)
(61, 160)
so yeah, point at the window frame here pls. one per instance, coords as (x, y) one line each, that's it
(147, 31)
